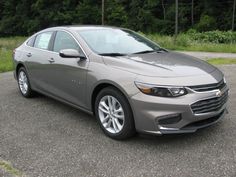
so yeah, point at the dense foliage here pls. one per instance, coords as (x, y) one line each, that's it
(217, 36)
(24, 17)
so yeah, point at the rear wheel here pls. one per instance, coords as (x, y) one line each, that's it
(114, 114)
(23, 83)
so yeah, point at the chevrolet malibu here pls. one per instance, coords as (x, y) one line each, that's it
(128, 82)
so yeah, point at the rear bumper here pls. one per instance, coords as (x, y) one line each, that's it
(149, 111)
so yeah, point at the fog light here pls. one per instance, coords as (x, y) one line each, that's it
(169, 119)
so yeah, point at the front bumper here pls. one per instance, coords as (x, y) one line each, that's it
(150, 110)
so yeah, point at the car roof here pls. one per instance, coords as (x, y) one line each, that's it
(89, 27)
(83, 27)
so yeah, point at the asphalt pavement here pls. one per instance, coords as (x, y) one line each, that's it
(43, 137)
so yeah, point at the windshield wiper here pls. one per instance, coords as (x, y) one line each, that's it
(150, 51)
(162, 49)
(145, 51)
(112, 54)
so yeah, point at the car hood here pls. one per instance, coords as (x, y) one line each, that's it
(163, 64)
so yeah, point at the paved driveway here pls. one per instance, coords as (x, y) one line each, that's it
(42, 137)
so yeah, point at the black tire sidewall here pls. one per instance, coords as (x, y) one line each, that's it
(128, 129)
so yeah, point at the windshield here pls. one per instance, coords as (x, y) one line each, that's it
(116, 41)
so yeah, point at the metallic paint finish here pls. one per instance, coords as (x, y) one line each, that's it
(73, 81)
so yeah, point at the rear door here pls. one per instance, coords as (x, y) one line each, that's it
(38, 60)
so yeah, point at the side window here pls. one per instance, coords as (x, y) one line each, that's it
(42, 40)
(30, 42)
(64, 40)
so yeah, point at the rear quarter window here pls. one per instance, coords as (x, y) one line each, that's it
(30, 42)
(42, 40)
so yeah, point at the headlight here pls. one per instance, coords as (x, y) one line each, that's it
(162, 91)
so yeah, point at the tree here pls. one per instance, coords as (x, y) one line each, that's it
(24, 17)
(88, 12)
(115, 13)
(206, 23)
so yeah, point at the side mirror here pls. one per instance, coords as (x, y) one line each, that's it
(71, 53)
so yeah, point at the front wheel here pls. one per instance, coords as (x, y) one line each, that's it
(114, 114)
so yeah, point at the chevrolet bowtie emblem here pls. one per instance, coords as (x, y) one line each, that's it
(218, 93)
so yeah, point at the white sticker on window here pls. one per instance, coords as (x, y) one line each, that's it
(44, 40)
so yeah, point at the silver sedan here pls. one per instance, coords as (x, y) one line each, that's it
(128, 82)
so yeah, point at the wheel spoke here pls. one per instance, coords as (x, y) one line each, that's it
(21, 75)
(103, 110)
(20, 81)
(114, 125)
(26, 86)
(119, 116)
(103, 103)
(113, 103)
(105, 119)
(118, 110)
(119, 126)
(108, 125)
(110, 102)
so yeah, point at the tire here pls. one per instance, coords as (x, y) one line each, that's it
(116, 121)
(24, 84)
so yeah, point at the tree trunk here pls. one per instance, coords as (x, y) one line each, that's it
(233, 15)
(164, 10)
(192, 13)
(102, 12)
(176, 19)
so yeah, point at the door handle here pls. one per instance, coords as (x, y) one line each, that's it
(51, 60)
(29, 55)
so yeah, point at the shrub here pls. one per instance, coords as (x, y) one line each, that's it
(226, 37)
(206, 23)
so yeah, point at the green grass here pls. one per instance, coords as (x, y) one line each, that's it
(185, 43)
(222, 61)
(11, 42)
(10, 169)
(6, 60)
(7, 45)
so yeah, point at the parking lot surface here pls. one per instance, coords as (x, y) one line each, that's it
(43, 137)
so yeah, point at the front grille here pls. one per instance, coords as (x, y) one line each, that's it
(208, 87)
(209, 105)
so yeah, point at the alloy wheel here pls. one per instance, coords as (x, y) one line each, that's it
(111, 114)
(23, 82)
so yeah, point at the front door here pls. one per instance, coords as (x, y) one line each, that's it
(67, 75)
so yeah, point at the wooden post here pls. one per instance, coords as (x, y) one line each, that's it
(102, 12)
